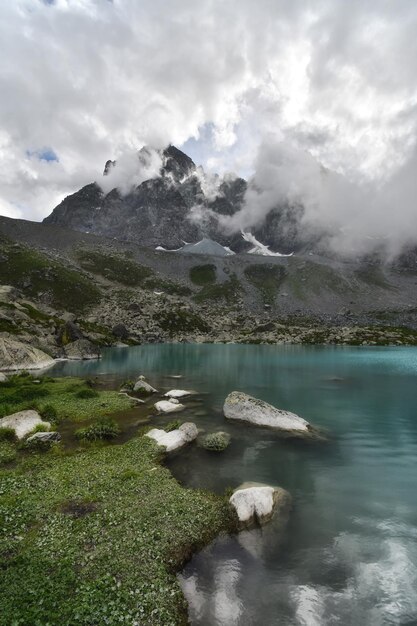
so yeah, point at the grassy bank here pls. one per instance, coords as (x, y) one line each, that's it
(94, 536)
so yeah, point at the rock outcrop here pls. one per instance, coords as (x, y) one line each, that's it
(15, 355)
(241, 406)
(256, 503)
(82, 349)
(175, 439)
(23, 422)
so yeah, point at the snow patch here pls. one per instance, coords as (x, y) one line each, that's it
(259, 248)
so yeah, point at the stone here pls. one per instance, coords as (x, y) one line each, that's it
(82, 349)
(68, 333)
(241, 406)
(120, 331)
(178, 393)
(168, 406)
(23, 422)
(15, 355)
(256, 503)
(44, 437)
(175, 439)
(3, 378)
(143, 388)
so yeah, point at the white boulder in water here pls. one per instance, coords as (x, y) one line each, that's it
(141, 386)
(175, 439)
(15, 355)
(178, 393)
(241, 406)
(23, 422)
(256, 503)
(168, 406)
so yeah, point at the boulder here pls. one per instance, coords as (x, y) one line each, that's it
(168, 406)
(255, 503)
(68, 333)
(240, 406)
(143, 388)
(46, 437)
(23, 422)
(175, 439)
(120, 331)
(216, 442)
(178, 393)
(82, 349)
(15, 355)
(3, 377)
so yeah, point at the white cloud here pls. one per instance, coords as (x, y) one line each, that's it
(95, 79)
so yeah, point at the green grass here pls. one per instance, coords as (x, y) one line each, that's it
(267, 279)
(113, 267)
(96, 537)
(103, 428)
(202, 275)
(60, 395)
(36, 274)
(229, 291)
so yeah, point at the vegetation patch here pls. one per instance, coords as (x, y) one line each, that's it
(229, 291)
(202, 275)
(58, 397)
(40, 276)
(96, 537)
(103, 428)
(177, 321)
(267, 279)
(115, 268)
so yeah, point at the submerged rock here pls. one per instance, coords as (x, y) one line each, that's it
(15, 355)
(174, 439)
(256, 503)
(240, 406)
(168, 406)
(82, 349)
(23, 422)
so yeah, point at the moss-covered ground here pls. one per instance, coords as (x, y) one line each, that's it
(63, 394)
(94, 536)
(37, 274)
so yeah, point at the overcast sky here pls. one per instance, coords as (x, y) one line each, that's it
(82, 81)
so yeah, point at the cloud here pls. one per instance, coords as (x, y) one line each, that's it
(131, 169)
(95, 80)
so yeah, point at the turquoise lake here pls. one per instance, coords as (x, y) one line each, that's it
(348, 555)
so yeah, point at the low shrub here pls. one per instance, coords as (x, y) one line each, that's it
(84, 394)
(49, 413)
(216, 442)
(172, 426)
(103, 428)
(7, 434)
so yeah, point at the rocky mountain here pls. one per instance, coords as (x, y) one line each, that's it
(172, 208)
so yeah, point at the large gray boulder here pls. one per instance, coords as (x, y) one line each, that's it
(82, 349)
(256, 503)
(15, 355)
(241, 406)
(175, 439)
(23, 422)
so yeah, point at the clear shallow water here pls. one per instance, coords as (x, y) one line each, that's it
(349, 552)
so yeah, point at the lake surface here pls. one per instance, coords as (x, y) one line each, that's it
(348, 555)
